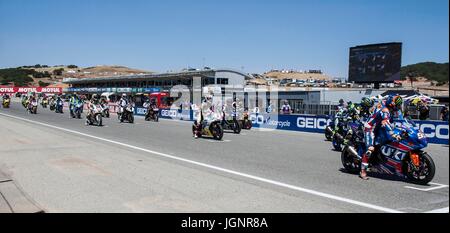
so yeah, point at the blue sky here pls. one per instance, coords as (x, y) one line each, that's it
(247, 34)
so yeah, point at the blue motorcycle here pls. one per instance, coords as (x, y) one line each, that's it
(404, 158)
(76, 109)
(59, 106)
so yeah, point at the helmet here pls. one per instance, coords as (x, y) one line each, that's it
(124, 95)
(208, 97)
(341, 101)
(394, 102)
(367, 102)
(94, 96)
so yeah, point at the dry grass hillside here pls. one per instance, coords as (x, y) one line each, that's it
(79, 72)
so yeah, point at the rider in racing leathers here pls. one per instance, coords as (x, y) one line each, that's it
(204, 112)
(380, 122)
(366, 107)
(72, 102)
(94, 101)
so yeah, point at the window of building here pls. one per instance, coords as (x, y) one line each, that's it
(223, 81)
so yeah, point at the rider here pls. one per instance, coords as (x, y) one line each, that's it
(380, 123)
(91, 105)
(123, 102)
(72, 102)
(5, 97)
(205, 112)
(367, 107)
(286, 108)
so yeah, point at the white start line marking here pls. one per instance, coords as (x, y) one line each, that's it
(443, 210)
(436, 186)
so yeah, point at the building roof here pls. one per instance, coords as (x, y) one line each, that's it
(205, 72)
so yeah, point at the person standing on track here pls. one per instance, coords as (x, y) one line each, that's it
(380, 123)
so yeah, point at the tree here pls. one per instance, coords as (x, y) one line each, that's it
(43, 84)
(58, 72)
(72, 66)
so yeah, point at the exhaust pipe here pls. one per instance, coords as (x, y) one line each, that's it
(329, 130)
(352, 151)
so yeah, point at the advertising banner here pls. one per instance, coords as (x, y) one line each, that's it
(4, 89)
(435, 131)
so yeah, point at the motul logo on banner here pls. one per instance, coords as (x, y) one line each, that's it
(6, 90)
(27, 89)
(51, 90)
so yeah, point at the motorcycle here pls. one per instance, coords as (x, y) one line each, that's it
(246, 123)
(231, 123)
(339, 135)
(32, 107)
(152, 114)
(59, 106)
(44, 103)
(105, 110)
(127, 114)
(210, 127)
(52, 105)
(6, 103)
(25, 103)
(329, 133)
(76, 110)
(95, 118)
(404, 158)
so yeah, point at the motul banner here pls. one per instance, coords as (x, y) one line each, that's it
(4, 90)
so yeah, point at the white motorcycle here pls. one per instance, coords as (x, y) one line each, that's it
(95, 118)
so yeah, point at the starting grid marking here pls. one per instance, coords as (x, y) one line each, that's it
(437, 186)
(436, 211)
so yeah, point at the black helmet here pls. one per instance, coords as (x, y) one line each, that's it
(367, 102)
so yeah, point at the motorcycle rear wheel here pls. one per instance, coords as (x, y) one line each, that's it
(236, 127)
(217, 131)
(336, 144)
(350, 163)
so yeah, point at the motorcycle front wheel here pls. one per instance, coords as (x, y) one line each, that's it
(424, 174)
(236, 127)
(98, 119)
(131, 118)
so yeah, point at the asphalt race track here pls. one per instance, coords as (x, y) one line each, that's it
(66, 166)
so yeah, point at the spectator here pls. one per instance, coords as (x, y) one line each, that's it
(444, 113)
(424, 111)
(286, 108)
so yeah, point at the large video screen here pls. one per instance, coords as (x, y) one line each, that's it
(376, 63)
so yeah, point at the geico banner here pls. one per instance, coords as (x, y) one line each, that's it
(436, 131)
(30, 89)
(168, 113)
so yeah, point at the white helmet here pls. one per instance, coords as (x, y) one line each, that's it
(124, 95)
